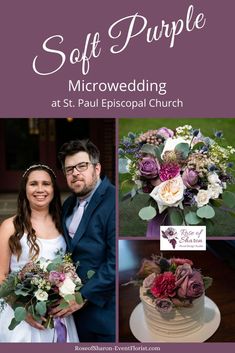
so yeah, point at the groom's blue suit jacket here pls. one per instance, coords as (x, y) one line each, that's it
(93, 246)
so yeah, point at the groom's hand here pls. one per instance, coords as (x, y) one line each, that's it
(73, 306)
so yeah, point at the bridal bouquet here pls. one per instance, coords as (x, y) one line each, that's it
(171, 282)
(184, 172)
(40, 285)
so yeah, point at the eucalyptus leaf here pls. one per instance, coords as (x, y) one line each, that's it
(41, 308)
(175, 217)
(206, 212)
(147, 213)
(69, 297)
(158, 151)
(192, 218)
(183, 149)
(13, 324)
(90, 273)
(52, 267)
(63, 304)
(78, 298)
(198, 146)
(23, 292)
(149, 149)
(229, 199)
(207, 282)
(20, 313)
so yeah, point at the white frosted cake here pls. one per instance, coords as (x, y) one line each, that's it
(172, 293)
(180, 321)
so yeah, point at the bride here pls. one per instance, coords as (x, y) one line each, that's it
(34, 232)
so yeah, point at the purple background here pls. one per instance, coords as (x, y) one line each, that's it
(199, 69)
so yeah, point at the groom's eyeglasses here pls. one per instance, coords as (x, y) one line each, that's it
(80, 167)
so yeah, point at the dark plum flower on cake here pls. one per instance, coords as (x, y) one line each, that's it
(181, 273)
(148, 167)
(164, 285)
(192, 286)
(164, 305)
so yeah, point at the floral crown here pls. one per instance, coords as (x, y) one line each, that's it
(43, 166)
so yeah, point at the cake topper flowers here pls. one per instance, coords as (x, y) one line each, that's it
(185, 173)
(171, 283)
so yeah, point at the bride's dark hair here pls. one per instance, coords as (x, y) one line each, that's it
(22, 220)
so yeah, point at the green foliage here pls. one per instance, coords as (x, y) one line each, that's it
(78, 298)
(197, 146)
(90, 274)
(41, 308)
(206, 212)
(175, 217)
(147, 213)
(192, 218)
(69, 297)
(13, 324)
(147, 148)
(20, 314)
(63, 304)
(183, 149)
(207, 282)
(229, 199)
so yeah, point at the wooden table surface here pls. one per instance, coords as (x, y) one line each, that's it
(222, 292)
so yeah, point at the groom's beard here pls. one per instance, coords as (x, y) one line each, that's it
(81, 187)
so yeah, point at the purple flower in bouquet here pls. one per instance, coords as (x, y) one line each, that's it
(164, 285)
(192, 286)
(56, 277)
(165, 132)
(164, 305)
(190, 178)
(169, 171)
(149, 167)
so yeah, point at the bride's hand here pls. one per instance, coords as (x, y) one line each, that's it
(30, 320)
(73, 306)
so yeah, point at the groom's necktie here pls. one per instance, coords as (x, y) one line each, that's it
(77, 218)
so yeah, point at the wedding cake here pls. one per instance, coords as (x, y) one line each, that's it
(180, 321)
(172, 293)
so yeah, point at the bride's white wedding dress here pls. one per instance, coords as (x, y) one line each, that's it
(24, 332)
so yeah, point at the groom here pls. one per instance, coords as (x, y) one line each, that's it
(88, 218)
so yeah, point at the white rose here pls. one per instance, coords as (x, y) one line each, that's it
(41, 295)
(169, 193)
(68, 287)
(202, 198)
(213, 178)
(215, 190)
(43, 264)
(171, 143)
